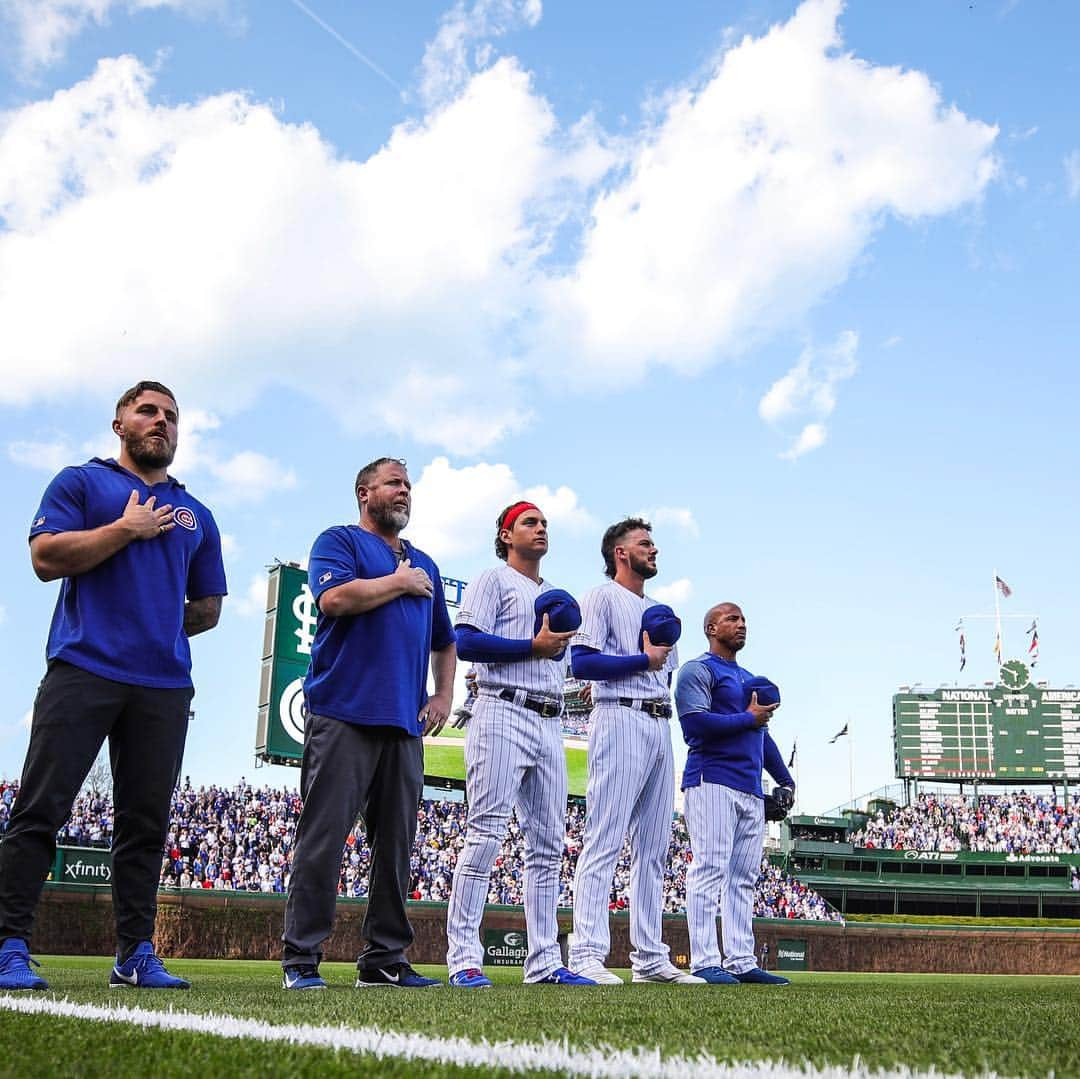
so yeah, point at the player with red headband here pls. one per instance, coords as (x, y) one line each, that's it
(514, 628)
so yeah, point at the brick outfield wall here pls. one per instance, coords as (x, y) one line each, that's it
(77, 921)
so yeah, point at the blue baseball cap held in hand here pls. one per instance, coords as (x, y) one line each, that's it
(662, 625)
(767, 692)
(564, 614)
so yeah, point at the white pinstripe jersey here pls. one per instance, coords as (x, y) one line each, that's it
(500, 602)
(611, 623)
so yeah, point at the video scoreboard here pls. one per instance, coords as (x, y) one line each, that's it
(291, 617)
(1010, 732)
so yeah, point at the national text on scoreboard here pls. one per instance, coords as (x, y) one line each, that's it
(1011, 732)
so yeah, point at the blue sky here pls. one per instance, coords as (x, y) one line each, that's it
(798, 281)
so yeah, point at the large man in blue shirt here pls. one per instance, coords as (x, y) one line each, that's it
(140, 561)
(382, 619)
(726, 730)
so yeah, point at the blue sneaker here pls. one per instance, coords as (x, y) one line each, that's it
(470, 979)
(306, 977)
(144, 971)
(394, 976)
(15, 972)
(757, 976)
(716, 976)
(564, 976)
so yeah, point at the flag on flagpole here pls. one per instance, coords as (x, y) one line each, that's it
(997, 647)
(963, 651)
(1033, 648)
(1002, 587)
(794, 749)
(839, 734)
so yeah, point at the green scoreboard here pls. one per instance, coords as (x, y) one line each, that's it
(1010, 732)
(291, 615)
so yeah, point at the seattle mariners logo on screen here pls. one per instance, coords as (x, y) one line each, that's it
(185, 519)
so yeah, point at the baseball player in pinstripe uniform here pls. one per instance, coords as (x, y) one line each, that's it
(513, 751)
(729, 745)
(631, 785)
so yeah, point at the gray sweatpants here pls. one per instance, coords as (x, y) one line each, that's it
(352, 771)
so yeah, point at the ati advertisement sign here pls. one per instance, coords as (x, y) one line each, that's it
(288, 633)
(82, 865)
(505, 947)
(791, 955)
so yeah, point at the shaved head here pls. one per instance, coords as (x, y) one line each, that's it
(713, 613)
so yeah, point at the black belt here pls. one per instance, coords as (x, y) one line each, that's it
(541, 705)
(656, 709)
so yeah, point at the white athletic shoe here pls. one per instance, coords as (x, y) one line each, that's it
(669, 975)
(597, 972)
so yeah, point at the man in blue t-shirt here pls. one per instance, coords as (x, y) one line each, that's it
(140, 562)
(382, 621)
(727, 733)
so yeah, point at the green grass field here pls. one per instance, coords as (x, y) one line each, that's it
(1014, 1026)
(448, 762)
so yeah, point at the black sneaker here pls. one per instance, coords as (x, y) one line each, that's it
(393, 976)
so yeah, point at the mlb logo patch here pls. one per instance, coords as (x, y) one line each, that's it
(325, 577)
(39, 522)
(185, 519)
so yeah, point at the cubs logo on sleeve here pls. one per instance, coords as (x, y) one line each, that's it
(186, 519)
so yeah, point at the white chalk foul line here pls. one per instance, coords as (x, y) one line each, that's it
(548, 1056)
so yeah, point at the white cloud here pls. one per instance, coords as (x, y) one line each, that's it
(41, 29)
(753, 195)
(16, 728)
(462, 43)
(47, 456)
(810, 386)
(811, 437)
(678, 516)
(241, 477)
(3, 614)
(252, 600)
(480, 246)
(238, 243)
(809, 389)
(455, 509)
(673, 594)
(230, 546)
(1072, 173)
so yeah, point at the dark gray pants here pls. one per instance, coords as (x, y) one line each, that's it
(352, 771)
(74, 712)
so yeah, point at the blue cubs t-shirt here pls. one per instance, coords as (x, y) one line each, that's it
(372, 668)
(124, 619)
(726, 745)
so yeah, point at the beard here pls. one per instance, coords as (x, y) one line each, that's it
(389, 518)
(642, 568)
(147, 452)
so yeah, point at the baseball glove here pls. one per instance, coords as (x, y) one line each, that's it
(778, 804)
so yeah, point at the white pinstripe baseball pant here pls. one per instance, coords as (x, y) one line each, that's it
(631, 790)
(513, 757)
(727, 836)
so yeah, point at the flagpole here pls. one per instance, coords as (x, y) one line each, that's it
(798, 785)
(851, 765)
(997, 620)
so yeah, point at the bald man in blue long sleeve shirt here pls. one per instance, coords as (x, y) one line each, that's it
(729, 746)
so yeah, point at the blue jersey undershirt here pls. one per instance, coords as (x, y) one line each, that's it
(124, 619)
(372, 668)
(726, 745)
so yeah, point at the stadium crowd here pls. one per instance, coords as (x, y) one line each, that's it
(1012, 823)
(241, 838)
